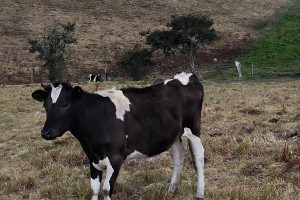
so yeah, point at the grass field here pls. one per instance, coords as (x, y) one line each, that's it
(105, 28)
(277, 52)
(245, 125)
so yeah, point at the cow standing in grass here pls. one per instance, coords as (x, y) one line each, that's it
(94, 77)
(117, 125)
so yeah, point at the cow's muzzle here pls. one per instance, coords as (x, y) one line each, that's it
(50, 134)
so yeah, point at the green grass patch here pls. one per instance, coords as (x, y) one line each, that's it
(277, 52)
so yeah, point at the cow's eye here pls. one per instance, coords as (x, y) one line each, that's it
(64, 106)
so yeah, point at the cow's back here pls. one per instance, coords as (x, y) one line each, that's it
(159, 113)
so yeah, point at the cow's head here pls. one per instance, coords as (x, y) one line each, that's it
(58, 100)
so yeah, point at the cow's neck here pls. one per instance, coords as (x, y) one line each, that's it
(87, 115)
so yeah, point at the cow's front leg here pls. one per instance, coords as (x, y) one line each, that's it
(112, 167)
(106, 186)
(96, 177)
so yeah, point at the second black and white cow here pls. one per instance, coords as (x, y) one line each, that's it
(117, 125)
(94, 77)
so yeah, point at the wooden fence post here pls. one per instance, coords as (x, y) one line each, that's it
(32, 75)
(105, 73)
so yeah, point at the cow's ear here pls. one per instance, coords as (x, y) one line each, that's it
(46, 87)
(77, 92)
(39, 95)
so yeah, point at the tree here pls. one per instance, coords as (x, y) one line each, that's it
(51, 49)
(185, 34)
(136, 62)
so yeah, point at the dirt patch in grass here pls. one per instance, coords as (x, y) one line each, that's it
(251, 111)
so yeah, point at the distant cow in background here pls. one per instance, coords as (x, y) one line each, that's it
(113, 125)
(94, 77)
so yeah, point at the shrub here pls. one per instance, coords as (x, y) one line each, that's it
(136, 62)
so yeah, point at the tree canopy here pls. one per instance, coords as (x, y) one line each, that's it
(185, 34)
(51, 49)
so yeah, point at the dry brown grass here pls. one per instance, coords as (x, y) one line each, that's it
(243, 151)
(104, 28)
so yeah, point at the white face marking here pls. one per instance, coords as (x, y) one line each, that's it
(136, 155)
(127, 136)
(118, 98)
(198, 152)
(183, 78)
(90, 77)
(95, 185)
(55, 92)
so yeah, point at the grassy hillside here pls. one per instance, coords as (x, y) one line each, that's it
(105, 28)
(278, 51)
(244, 129)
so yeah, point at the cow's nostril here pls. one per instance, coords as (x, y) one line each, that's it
(45, 133)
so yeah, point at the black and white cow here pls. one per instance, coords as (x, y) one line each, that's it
(94, 77)
(117, 125)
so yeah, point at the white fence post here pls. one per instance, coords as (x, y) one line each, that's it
(239, 68)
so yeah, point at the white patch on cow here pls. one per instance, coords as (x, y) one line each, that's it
(127, 136)
(55, 92)
(119, 99)
(166, 81)
(178, 158)
(136, 155)
(95, 185)
(198, 152)
(183, 78)
(101, 166)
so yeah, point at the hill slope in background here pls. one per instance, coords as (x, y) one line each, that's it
(105, 28)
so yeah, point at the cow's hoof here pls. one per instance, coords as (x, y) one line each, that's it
(172, 189)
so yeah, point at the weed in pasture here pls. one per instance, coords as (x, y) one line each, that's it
(253, 169)
(54, 191)
(297, 117)
(238, 194)
(241, 150)
(267, 193)
(28, 182)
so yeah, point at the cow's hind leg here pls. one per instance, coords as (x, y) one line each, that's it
(197, 152)
(178, 158)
